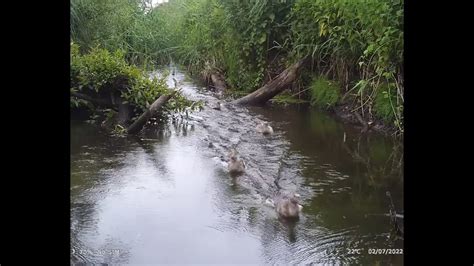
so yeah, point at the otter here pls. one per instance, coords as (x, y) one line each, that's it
(264, 128)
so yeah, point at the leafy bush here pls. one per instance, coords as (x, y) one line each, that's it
(359, 44)
(101, 71)
(324, 93)
(385, 103)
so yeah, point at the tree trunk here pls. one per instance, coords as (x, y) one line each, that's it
(141, 121)
(272, 88)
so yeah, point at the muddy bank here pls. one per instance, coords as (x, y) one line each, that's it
(344, 114)
(342, 111)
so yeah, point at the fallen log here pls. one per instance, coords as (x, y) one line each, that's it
(274, 87)
(150, 112)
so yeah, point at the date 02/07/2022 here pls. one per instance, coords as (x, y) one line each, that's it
(375, 251)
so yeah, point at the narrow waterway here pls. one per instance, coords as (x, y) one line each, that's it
(166, 196)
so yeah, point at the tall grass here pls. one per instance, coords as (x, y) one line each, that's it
(356, 44)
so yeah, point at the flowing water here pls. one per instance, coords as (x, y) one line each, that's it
(166, 197)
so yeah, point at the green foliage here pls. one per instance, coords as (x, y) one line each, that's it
(202, 29)
(385, 103)
(101, 71)
(143, 91)
(359, 44)
(368, 33)
(324, 93)
(128, 25)
(234, 37)
(286, 99)
(75, 102)
(107, 22)
(119, 131)
(256, 27)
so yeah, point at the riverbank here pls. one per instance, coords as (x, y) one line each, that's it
(355, 49)
(343, 113)
(340, 111)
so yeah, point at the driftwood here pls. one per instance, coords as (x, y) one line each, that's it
(274, 87)
(150, 112)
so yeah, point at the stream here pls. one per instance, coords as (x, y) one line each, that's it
(166, 197)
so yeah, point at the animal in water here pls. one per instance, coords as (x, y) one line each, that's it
(288, 207)
(264, 128)
(235, 165)
(217, 106)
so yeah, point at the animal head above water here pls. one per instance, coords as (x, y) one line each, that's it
(294, 200)
(233, 153)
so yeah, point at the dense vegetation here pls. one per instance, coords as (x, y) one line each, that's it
(355, 47)
(101, 73)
